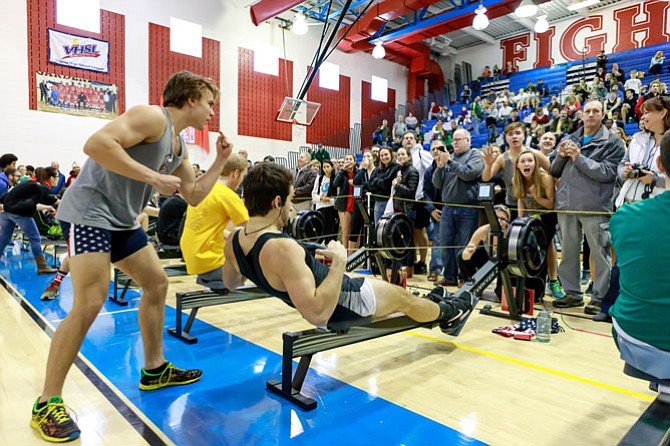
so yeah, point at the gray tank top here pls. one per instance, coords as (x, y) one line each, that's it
(508, 174)
(530, 203)
(104, 199)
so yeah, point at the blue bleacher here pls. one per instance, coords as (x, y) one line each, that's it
(632, 127)
(556, 77)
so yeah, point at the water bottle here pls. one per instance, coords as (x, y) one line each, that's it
(543, 332)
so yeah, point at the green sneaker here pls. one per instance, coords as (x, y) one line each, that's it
(53, 422)
(171, 376)
(556, 289)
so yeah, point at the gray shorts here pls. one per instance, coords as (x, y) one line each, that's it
(642, 356)
(361, 300)
(212, 279)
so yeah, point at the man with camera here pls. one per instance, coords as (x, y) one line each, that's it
(586, 165)
(457, 180)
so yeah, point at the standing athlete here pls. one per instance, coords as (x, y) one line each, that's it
(137, 153)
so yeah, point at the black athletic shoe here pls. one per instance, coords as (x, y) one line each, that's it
(420, 268)
(456, 311)
(438, 294)
(593, 308)
(569, 302)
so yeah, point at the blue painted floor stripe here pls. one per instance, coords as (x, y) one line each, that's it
(230, 406)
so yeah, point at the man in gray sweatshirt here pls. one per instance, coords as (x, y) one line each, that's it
(457, 179)
(587, 167)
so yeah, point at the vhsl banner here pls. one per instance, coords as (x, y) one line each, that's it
(78, 51)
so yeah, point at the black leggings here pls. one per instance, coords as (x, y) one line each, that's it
(357, 225)
(586, 253)
(332, 222)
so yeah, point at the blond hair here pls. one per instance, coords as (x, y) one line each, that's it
(235, 162)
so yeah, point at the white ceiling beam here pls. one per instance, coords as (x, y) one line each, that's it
(480, 35)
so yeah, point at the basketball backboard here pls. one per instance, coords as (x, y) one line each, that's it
(297, 111)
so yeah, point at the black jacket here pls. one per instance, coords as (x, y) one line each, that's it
(23, 198)
(382, 181)
(406, 189)
(339, 187)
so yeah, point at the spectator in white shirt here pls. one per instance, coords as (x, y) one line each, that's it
(633, 83)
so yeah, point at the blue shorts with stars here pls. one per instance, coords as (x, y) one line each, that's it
(119, 244)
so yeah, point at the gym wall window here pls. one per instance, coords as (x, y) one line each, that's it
(379, 90)
(185, 37)
(266, 60)
(79, 14)
(329, 76)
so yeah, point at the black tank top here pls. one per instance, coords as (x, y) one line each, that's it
(250, 268)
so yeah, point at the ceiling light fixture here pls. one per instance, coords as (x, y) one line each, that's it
(378, 52)
(526, 9)
(481, 21)
(299, 25)
(541, 26)
(581, 4)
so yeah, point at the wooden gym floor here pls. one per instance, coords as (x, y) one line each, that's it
(408, 388)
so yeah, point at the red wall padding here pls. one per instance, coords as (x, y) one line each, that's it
(370, 107)
(259, 97)
(331, 125)
(163, 63)
(42, 15)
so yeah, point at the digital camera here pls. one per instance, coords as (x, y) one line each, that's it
(636, 171)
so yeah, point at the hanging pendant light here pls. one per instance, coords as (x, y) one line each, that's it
(541, 26)
(378, 52)
(481, 21)
(526, 9)
(299, 25)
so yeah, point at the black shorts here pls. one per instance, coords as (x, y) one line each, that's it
(422, 219)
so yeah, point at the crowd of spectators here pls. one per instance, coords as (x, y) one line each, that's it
(566, 153)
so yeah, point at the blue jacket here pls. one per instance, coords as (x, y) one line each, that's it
(4, 183)
(55, 190)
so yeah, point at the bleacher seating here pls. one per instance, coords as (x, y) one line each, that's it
(558, 77)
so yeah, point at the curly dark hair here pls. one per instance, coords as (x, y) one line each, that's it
(262, 184)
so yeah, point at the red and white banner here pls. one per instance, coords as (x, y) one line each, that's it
(78, 52)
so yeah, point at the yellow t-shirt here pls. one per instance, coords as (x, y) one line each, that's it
(202, 241)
